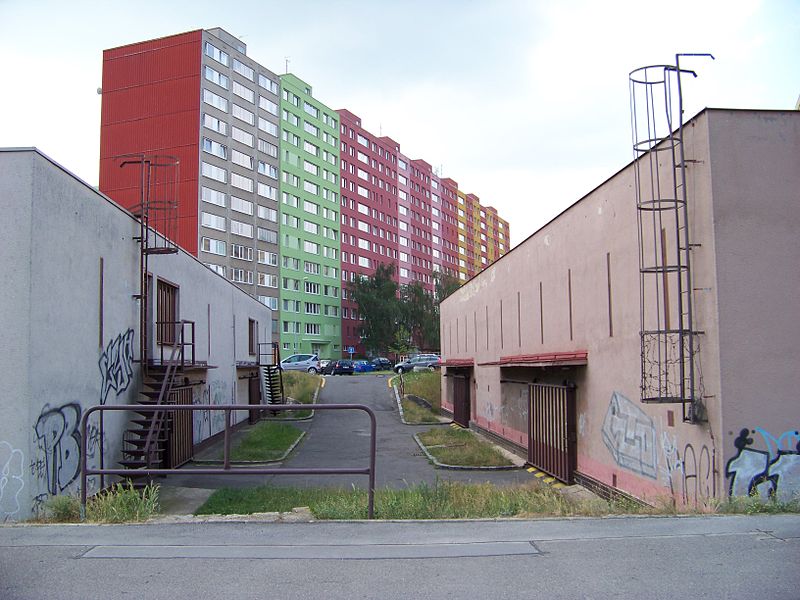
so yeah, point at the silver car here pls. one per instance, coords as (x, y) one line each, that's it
(301, 362)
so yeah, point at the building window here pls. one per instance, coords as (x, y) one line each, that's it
(212, 221)
(214, 172)
(310, 247)
(241, 276)
(267, 191)
(215, 124)
(241, 252)
(243, 114)
(268, 105)
(213, 246)
(214, 100)
(218, 55)
(266, 83)
(268, 258)
(218, 269)
(267, 235)
(268, 280)
(268, 169)
(252, 336)
(241, 159)
(270, 301)
(267, 148)
(310, 128)
(267, 126)
(268, 214)
(243, 229)
(243, 69)
(212, 196)
(242, 136)
(244, 92)
(242, 182)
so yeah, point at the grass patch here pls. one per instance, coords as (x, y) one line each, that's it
(300, 386)
(267, 440)
(425, 384)
(461, 447)
(414, 413)
(120, 503)
(449, 500)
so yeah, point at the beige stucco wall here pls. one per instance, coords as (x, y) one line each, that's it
(651, 458)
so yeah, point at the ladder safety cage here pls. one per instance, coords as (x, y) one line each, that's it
(669, 337)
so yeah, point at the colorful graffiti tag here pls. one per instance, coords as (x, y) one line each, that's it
(772, 471)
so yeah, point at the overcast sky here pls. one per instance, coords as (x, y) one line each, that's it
(524, 103)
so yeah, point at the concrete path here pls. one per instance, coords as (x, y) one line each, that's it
(634, 557)
(341, 438)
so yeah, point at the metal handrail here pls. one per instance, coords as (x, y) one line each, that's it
(179, 339)
(87, 471)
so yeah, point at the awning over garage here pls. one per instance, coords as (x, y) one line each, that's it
(459, 362)
(547, 359)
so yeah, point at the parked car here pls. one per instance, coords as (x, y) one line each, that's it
(421, 361)
(362, 366)
(301, 362)
(322, 364)
(381, 364)
(340, 367)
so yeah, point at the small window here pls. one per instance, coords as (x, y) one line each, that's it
(252, 336)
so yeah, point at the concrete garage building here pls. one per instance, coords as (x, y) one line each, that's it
(549, 348)
(70, 324)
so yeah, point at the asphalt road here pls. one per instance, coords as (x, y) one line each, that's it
(635, 557)
(341, 438)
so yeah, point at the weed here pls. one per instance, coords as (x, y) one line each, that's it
(122, 503)
(461, 447)
(425, 384)
(62, 509)
(414, 413)
(300, 387)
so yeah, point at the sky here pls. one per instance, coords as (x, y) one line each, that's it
(523, 103)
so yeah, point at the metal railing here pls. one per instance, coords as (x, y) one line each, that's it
(87, 471)
(179, 337)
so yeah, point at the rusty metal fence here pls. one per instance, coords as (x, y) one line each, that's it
(552, 430)
(87, 471)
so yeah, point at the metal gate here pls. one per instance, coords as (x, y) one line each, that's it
(461, 404)
(552, 439)
(181, 431)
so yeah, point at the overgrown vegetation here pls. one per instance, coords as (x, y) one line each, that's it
(120, 503)
(443, 500)
(268, 440)
(461, 447)
(416, 414)
(300, 386)
(427, 385)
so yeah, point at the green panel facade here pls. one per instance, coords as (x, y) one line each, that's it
(310, 294)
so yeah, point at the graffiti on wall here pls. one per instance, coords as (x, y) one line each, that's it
(208, 422)
(688, 472)
(116, 365)
(630, 436)
(773, 470)
(11, 481)
(59, 440)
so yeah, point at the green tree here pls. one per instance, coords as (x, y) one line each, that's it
(378, 307)
(420, 315)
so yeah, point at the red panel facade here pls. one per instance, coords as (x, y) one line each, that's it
(368, 175)
(151, 104)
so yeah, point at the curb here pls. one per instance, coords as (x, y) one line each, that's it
(460, 467)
